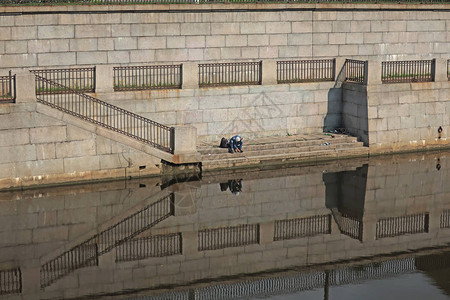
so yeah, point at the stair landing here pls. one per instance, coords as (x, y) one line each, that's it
(308, 148)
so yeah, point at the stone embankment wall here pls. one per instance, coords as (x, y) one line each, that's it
(398, 116)
(107, 36)
(38, 147)
(120, 35)
(57, 225)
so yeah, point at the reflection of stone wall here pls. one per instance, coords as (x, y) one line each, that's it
(392, 190)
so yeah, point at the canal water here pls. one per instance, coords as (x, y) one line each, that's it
(375, 228)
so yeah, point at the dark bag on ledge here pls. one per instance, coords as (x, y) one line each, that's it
(223, 143)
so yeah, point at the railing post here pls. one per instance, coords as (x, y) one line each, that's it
(440, 70)
(372, 72)
(27, 90)
(268, 72)
(172, 140)
(339, 69)
(10, 84)
(104, 79)
(189, 76)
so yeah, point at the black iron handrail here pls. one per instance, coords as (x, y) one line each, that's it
(305, 70)
(147, 77)
(8, 88)
(106, 115)
(448, 69)
(407, 71)
(355, 70)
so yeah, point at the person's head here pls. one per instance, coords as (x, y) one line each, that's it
(238, 139)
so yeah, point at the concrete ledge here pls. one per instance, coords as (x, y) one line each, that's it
(219, 6)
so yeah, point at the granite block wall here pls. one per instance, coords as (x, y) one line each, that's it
(41, 149)
(96, 35)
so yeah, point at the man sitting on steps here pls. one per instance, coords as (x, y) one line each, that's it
(235, 144)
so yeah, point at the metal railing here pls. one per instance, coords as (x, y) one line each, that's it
(410, 224)
(153, 246)
(234, 236)
(147, 77)
(8, 88)
(107, 115)
(407, 71)
(77, 79)
(302, 227)
(355, 70)
(305, 70)
(448, 69)
(87, 253)
(229, 74)
(445, 219)
(10, 281)
(109, 2)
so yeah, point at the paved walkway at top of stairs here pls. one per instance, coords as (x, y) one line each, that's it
(282, 149)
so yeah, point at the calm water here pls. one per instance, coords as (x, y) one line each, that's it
(356, 229)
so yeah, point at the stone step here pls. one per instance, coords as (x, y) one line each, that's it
(308, 156)
(259, 146)
(223, 153)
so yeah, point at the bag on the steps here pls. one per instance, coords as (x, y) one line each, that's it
(223, 143)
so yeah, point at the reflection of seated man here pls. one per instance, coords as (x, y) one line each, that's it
(235, 144)
(235, 186)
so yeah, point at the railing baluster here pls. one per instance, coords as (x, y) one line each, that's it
(305, 71)
(105, 114)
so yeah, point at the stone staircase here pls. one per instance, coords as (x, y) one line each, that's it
(276, 150)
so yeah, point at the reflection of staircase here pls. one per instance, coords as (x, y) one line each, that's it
(87, 253)
(10, 281)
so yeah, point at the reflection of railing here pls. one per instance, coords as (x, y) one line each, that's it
(78, 79)
(87, 253)
(84, 255)
(296, 281)
(263, 287)
(10, 281)
(305, 70)
(381, 270)
(147, 77)
(350, 226)
(153, 246)
(302, 227)
(235, 236)
(106, 115)
(411, 224)
(445, 219)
